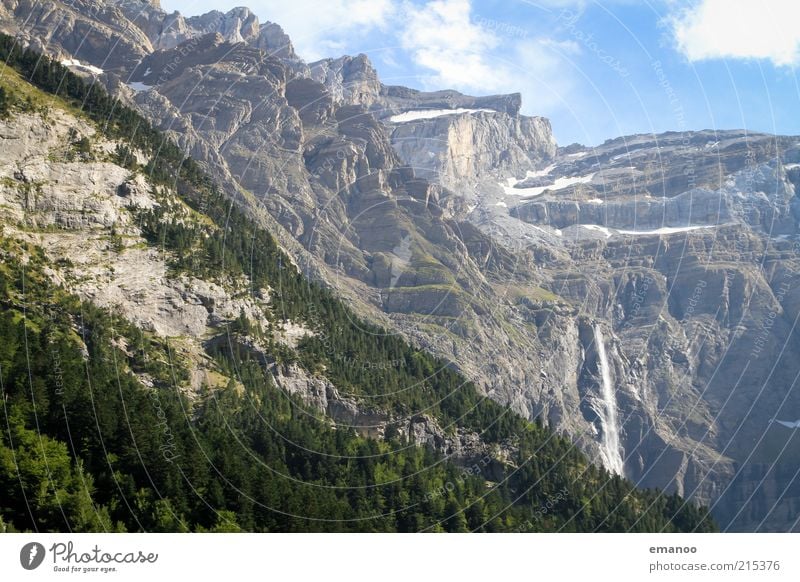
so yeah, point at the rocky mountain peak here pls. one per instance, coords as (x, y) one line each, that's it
(142, 4)
(352, 80)
(166, 31)
(236, 25)
(275, 42)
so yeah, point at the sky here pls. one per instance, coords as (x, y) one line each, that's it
(596, 69)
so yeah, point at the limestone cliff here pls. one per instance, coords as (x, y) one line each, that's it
(462, 148)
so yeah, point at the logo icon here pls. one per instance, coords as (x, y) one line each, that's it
(31, 555)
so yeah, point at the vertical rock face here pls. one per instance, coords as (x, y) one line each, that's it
(463, 148)
(397, 99)
(273, 41)
(455, 221)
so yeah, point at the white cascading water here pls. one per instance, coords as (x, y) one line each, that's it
(611, 450)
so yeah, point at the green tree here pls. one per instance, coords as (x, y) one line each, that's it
(5, 103)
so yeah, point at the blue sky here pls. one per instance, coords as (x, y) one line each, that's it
(596, 69)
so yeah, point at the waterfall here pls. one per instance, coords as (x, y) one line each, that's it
(610, 450)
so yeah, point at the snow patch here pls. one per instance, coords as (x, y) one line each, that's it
(139, 86)
(667, 230)
(540, 173)
(432, 113)
(77, 64)
(609, 232)
(550, 231)
(537, 190)
(597, 228)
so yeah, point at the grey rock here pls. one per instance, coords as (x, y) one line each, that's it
(460, 149)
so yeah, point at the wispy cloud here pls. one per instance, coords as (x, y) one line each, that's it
(323, 29)
(739, 29)
(441, 37)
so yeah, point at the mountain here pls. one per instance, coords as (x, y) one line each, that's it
(637, 297)
(165, 366)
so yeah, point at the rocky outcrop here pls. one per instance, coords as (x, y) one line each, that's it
(83, 212)
(349, 80)
(464, 148)
(397, 99)
(460, 446)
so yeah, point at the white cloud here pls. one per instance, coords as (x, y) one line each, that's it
(323, 29)
(539, 69)
(483, 56)
(739, 29)
(441, 37)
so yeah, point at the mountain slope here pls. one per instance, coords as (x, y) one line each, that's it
(196, 407)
